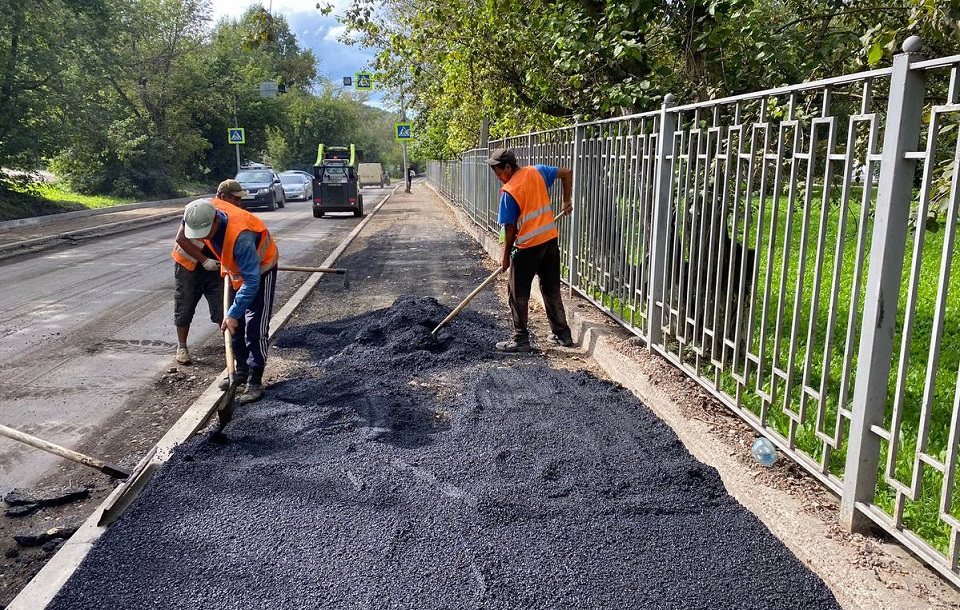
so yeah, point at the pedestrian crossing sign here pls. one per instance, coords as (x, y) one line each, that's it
(363, 81)
(403, 131)
(235, 135)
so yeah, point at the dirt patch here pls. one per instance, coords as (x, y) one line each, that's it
(123, 443)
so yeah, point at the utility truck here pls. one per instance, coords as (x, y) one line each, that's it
(370, 174)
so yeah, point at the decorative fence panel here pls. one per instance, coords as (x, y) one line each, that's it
(792, 250)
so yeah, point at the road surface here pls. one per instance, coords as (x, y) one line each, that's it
(87, 329)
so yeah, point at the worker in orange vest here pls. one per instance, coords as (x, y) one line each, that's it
(249, 257)
(531, 243)
(194, 277)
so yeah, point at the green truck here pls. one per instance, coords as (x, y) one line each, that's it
(335, 181)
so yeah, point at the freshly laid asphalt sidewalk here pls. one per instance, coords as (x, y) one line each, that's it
(391, 469)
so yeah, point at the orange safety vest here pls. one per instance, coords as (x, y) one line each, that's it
(535, 225)
(180, 255)
(239, 220)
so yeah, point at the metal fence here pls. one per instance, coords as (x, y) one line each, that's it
(792, 250)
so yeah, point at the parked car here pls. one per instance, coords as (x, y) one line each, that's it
(297, 185)
(264, 189)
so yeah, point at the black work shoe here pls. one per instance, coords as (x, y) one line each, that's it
(562, 341)
(513, 346)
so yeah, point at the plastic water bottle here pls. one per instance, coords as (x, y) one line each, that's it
(764, 451)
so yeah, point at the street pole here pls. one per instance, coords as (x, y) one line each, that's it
(236, 123)
(403, 144)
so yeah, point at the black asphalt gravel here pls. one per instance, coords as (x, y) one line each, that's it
(395, 470)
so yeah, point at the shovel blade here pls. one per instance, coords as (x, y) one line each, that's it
(224, 404)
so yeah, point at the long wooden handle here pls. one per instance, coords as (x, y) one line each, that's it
(227, 335)
(311, 269)
(467, 300)
(63, 452)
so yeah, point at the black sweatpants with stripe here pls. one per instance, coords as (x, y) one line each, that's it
(542, 261)
(250, 340)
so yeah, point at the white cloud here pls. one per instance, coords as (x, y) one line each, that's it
(333, 34)
(315, 31)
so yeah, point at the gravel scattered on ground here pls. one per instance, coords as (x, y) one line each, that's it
(399, 470)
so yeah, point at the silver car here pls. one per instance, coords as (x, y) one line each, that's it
(297, 185)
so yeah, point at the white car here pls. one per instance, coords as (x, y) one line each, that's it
(296, 185)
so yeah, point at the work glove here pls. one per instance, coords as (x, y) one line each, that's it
(211, 265)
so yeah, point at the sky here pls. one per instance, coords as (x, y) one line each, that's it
(313, 31)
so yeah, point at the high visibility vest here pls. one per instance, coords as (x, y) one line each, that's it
(180, 255)
(535, 225)
(239, 220)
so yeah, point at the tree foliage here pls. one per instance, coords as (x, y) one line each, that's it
(527, 65)
(133, 98)
(42, 43)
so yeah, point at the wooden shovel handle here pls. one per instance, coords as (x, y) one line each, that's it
(227, 335)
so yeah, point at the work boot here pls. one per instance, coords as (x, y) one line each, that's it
(562, 341)
(224, 384)
(254, 389)
(251, 393)
(514, 346)
(183, 355)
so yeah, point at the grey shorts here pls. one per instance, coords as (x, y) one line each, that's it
(190, 287)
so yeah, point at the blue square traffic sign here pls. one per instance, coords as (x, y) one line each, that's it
(363, 81)
(403, 131)
(235, 135)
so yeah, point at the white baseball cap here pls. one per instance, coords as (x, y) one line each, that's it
(198, 218)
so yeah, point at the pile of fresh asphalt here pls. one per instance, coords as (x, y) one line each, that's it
(399, 470)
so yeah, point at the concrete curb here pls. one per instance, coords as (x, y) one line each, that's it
(41, 590)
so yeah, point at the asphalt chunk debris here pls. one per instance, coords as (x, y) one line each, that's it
(393, 469)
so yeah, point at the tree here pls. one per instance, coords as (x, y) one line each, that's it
(141, 136)
(532, 65)
(42, 45)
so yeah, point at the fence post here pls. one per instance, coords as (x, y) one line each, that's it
(577, 199)
(882, 293)
(663, 173)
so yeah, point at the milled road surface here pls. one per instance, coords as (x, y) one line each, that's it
(387, 468)
(87, 328)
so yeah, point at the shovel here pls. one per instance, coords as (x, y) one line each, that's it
(224, 404)
(86, 460)
(475, 292)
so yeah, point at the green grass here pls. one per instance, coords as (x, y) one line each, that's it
(30, 200)
(790, 272)
(55, 194)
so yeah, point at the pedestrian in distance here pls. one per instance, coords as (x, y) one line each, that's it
(249, 258)
(531, 243)
(411, 174)
(194, 277)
